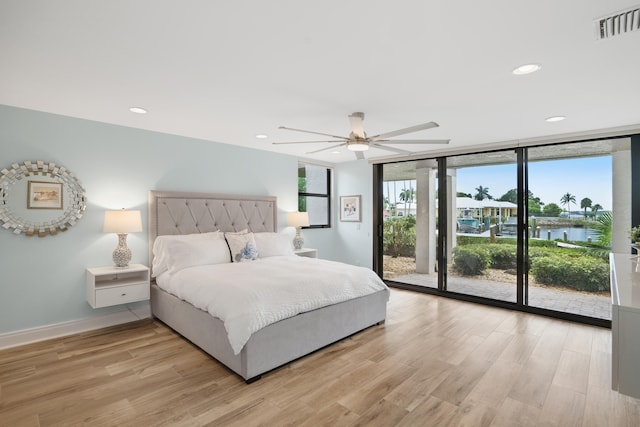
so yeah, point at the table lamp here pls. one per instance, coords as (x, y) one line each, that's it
(297, 220)
(122, 222)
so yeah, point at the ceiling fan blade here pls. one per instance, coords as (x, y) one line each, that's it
(315, 133)
(394, 149)
(327, 148)
(359, 155)
(398, 132)
(302, 142)
(356, 124)
(413, 141)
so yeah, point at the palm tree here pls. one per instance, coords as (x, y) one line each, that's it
(407, 195)
(567, 199)
(603, 229)
(482, 193)
(584, 204)
(595, 208)
(387, 205)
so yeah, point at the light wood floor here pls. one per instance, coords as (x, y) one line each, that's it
(436, 362)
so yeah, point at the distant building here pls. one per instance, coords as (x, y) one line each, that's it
(470, 208)
(467, 207)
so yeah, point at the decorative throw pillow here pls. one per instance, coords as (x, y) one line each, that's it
(273, 244)
(242, 246)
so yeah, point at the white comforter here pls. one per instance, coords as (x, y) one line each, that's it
(248, 296)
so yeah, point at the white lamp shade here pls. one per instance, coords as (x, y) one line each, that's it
(298, 219)
(122, 221)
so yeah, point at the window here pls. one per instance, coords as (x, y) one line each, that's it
(314, 194)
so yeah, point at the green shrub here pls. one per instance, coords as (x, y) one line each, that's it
(470, 240)
(471, 260)
(400, 236)
(503, 257)
(583, 273)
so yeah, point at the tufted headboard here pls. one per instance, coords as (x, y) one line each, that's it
(187, 213)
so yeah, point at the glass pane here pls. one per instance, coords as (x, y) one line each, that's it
(482, 219)
(410, 235)
(312, 179)
(317, 207)
(572, 210)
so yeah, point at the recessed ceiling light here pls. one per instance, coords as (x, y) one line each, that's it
(526, 69)
(555, 119)
(138, 110)
(335, 152)
(262, 136)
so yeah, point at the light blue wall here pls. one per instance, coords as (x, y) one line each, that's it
(42, 279)
(353, 242)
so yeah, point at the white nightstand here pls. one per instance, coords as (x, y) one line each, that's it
(307, 252)
(114, 285)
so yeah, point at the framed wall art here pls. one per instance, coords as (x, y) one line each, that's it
(350, 209)
(44, 195)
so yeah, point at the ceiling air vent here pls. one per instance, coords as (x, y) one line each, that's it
(618, 23)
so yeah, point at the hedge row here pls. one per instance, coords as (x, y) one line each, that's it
(575, 269)
(580, 273)
(472, 240)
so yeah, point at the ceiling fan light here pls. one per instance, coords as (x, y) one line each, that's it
(358, 146)
(526, 69)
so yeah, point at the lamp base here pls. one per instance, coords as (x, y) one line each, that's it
(122, 254)
(298, 241)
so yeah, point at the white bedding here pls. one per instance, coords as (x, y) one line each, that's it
(248, 296)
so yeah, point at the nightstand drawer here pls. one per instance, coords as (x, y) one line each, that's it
(121, 294)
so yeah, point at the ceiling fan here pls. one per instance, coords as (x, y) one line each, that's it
(358, 141)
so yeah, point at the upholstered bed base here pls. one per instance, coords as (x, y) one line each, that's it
(276, 344)
(175, 213)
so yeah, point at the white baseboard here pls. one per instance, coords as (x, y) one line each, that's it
(41, 333)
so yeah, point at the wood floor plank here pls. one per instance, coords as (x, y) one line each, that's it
(600, 369)
(432, 411)
(461, 380)
(572, 371)
(435, 362)
(538, 372)
(564, 407)
(419, 386)
(494, 386)
(579, 339)
(361, 399)
(381, 413)
(519, 348)
(474, 413)
(513, 413)
(334, 415)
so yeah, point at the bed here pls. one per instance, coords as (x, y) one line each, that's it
(274, 345)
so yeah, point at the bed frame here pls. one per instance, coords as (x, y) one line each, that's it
(275, 345)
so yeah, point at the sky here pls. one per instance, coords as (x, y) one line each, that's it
(549, 180)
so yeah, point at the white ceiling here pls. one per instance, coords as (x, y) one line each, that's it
(227, 70)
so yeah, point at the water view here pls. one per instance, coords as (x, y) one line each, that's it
(573, 234)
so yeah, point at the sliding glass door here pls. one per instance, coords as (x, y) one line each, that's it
(571, 211)
(409, 222)
(529, 227)
(483, 213)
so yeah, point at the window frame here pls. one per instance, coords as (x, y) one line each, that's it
(326, 196)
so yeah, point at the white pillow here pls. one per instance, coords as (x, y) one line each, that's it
(159, 265)
(242, 246)
(273, 244)
(190, 253)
